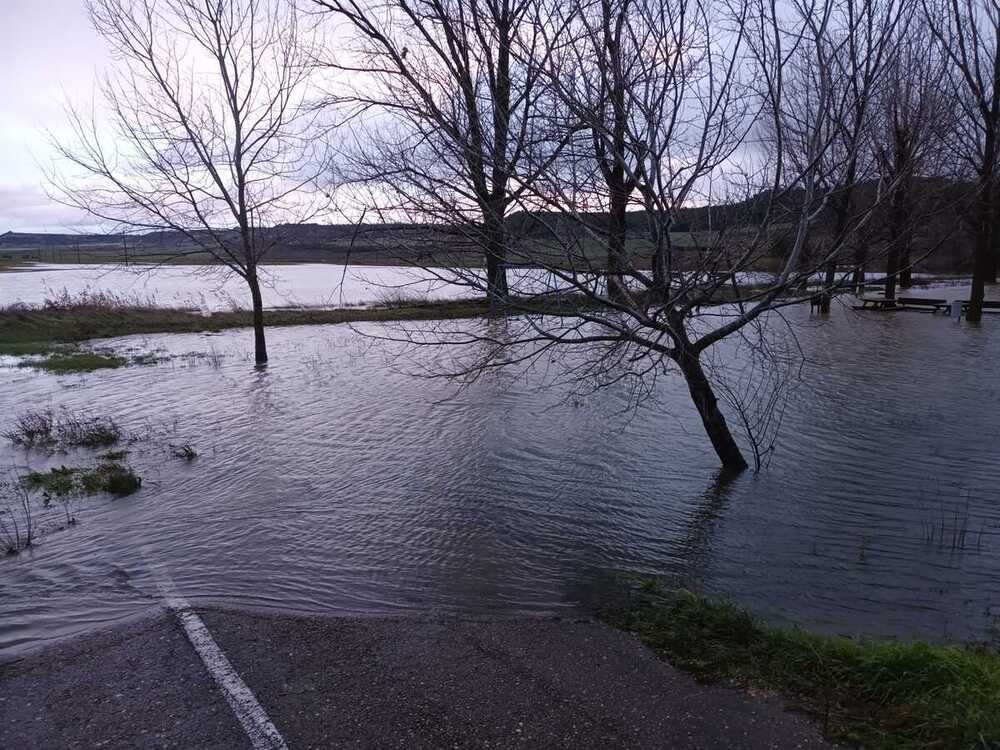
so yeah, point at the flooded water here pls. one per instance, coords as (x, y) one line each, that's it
(330, 483)
(210, 288)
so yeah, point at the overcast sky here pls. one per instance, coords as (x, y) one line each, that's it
(47, 51)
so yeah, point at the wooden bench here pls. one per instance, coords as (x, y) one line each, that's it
(877, 303)
(923, 303)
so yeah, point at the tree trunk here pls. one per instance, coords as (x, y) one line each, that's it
(981, 260)
(842, 208)
(829, 280)
(994, 256)
(662, 257)
(617, 229)
(905, 264)
(260, 344)
(860, 258)
(497, 288)
(708, 408)
(898, 219)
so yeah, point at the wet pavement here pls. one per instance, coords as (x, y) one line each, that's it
(379, 683)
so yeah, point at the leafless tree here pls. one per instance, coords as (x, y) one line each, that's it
(693, 102)
(449, 92)
(207, 132)
(607, 60)
(968, 33)
(840, 59)
(911, 119)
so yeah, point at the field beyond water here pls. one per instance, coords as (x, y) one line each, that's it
(40, 330)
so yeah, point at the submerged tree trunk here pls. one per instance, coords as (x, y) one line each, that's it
(829, 279)
(994, 255)
(260, 344)
(708, 409)
(842, 209)
(905, 263)
(897, 238)
(497, 288)
(981, 260)
(860, 258)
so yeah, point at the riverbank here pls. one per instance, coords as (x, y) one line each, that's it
(414, 683)
(877, 694)
(41, 330)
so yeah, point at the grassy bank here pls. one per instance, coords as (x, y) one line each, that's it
(25, 330)
(878, 694)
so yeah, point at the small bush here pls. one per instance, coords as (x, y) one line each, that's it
(117, 479)
(395, 298)
(89, 432)
(95, 300)
(67, 430)
(17, 527)
(33, 428)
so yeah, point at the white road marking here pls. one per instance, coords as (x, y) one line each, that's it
(256, 723)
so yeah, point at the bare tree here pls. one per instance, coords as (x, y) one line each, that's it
(693, 101)
(207, 135)
(910, 122)
(605, 62)
(968, 32)
(451, 90)
(841, 58)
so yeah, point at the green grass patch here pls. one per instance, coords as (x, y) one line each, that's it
(37, 330)
(24, 348)
(75, 361)
(108, 476)
(879, 694)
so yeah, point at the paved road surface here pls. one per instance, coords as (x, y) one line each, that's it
(379, 683)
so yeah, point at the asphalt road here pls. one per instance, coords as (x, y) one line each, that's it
(380, 683)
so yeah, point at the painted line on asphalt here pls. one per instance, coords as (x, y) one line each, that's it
(252, 716)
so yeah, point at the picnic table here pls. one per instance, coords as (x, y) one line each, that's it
(935, 305)
(871, 302)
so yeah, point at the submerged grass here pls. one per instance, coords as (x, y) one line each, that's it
(108, 476)
(879, 694)
(75, 361)
(46, 428)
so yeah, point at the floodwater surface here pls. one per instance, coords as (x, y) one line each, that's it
(213, 288)
(331, 483)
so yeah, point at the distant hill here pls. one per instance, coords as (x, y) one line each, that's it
(937, 205)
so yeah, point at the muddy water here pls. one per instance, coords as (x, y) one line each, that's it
(329, 483)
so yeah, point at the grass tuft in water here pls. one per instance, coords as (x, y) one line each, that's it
(108, 476)
(45, 428)
(184, 451)
(880, 694)
(75, 361)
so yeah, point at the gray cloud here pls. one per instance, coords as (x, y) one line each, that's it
(26, 208)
